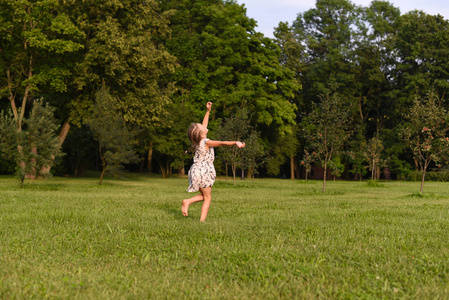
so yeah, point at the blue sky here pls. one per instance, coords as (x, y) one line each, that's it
(268, 13)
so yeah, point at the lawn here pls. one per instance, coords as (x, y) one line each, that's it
(267, 239)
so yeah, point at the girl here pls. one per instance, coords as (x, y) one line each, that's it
(202, 172)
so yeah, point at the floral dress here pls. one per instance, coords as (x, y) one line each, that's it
(202, 172)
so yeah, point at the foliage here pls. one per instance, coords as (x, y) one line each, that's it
(123, 50)
(33, 147)
(253, 153)
(115, 137)
(307, 162)
(327, 129)
(37, 39)
(223, 59)
(235, 128)
(336, 166)
(373, 155)
(170, 139)
(426, 131)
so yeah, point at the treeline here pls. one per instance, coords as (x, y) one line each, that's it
(124, 79)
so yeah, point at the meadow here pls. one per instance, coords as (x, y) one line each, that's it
(67, 238)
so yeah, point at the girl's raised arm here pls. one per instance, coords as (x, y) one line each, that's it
(206, 116)
(210, 143)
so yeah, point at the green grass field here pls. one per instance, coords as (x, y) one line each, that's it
(268, 239)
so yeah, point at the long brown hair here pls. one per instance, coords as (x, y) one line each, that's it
(194, 134)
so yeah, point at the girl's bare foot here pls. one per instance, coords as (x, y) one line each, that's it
(185, 207)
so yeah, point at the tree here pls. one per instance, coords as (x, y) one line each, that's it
(35, 146)
(373, 154)
(326, 129)
(170, 140)
(115, 137)
(234, 128)
(223, 59)
(124, 50)
(306, 162)
(37, 40)
(422, 46)
(336, 166)
(253, 153)
(426, 131)
(328, 32)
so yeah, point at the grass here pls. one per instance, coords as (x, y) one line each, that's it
(268, 239)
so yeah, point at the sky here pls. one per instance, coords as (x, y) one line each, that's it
(268, 13)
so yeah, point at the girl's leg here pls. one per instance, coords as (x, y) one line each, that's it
(187, 202)
(207, 197)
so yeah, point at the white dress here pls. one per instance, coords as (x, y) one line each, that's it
(202, 172)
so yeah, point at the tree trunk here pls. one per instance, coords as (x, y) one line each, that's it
(422, 180)
(150, 157)
(324, 178)
(250, 172)
(233, 171)
(226, 171)
(103, 162)
(292, 167)
(61, 138)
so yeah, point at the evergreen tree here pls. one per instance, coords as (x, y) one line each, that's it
(36, 145)
(115, 137)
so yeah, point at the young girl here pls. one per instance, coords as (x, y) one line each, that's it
(202, 172)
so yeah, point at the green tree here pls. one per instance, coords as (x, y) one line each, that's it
(124, 50)
(336, 166)
(253, 153)
(170, 140)
(234, 128)
(426, 131)
(306, 162)
(327, 129)
(329, 32)
(422, 46)
(33, 147)
(37, 40)
(373, 154)
(115, 137)
(223, 59)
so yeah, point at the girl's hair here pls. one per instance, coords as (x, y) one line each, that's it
(194, 135)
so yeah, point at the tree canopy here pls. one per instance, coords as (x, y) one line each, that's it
(161, 61)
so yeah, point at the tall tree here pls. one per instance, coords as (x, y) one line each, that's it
(328, 31)
(36, 39)
(124, 51)
(422, 45)
(222, 58)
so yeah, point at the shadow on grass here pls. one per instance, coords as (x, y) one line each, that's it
(426, 196)
(172, 209)
(41, 187)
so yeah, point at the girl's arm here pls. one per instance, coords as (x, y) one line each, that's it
(206, 116)
(210, 143)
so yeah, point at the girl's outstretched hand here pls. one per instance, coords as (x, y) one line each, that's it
(209, 106)
(240, 144)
